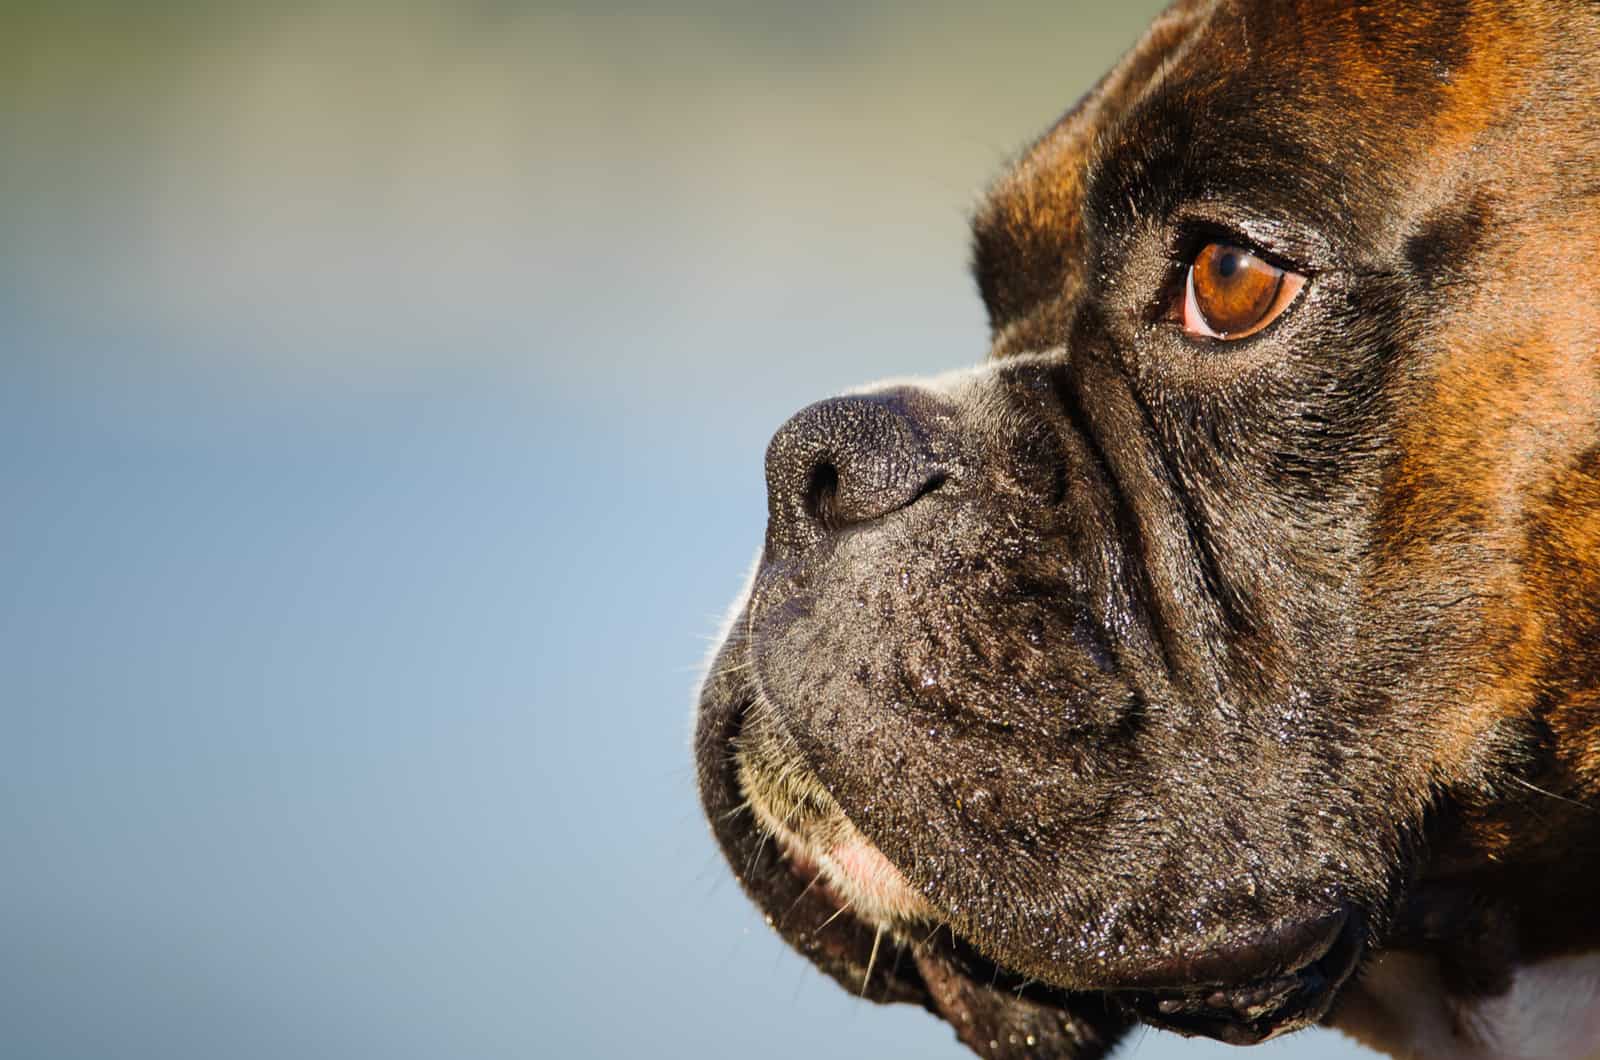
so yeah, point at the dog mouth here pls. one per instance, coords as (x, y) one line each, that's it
(1307, 962)
(838, 900)
(1279, 981)
(1244, 1011)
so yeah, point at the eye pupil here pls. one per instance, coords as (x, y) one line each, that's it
(1227, 265)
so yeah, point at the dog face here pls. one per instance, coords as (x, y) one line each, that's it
(1234, 626)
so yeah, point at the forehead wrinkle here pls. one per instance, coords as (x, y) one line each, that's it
(1329, 142)
(1323, 137)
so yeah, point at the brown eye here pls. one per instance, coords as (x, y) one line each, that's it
(1230, 293)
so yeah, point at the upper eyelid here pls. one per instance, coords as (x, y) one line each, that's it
(1189, 236)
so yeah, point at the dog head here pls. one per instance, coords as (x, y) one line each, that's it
(1235, 623)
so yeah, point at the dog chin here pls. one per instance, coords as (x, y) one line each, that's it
(1277, 981)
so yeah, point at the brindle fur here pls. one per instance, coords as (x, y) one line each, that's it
(1197, 637)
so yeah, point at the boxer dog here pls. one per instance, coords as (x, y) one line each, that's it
(1224, 652)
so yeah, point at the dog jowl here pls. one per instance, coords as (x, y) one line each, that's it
(1223, 653)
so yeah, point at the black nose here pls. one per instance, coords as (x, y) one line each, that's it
(847, 461)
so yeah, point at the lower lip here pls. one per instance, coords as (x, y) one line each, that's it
(1248, 1015)
(855, 875)
(866, 868)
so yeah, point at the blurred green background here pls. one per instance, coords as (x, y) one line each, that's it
(383, 389)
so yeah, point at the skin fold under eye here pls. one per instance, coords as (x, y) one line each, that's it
(1229, 293)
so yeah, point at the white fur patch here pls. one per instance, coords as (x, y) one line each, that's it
(1551, 1012)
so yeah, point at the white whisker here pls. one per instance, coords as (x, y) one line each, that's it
(837, 914)
(872, 959)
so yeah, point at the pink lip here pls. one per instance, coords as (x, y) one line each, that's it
(856, 876)
(871, 874)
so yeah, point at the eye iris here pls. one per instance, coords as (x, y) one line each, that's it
(1233, 288)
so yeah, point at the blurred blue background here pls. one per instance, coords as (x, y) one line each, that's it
(382, 396)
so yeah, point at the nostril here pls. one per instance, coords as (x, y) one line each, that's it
(827, 503)
(935, 480)
(822, 495)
